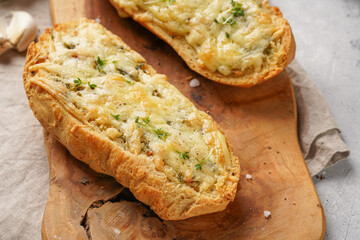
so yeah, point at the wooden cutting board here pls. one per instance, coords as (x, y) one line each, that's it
(261, 125)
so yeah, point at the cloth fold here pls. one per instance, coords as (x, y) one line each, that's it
(319, 135)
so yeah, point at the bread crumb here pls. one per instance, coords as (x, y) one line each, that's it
(194, 82)
(294, 203)
(267, 214)
(248, 177)
(98, 20)
(189, 78)
(117, 231)
(84, 181)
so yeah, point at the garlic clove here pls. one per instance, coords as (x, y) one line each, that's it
(3, 35)
(4, 43)
(22, 30)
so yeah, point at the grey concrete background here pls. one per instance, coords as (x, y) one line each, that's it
(327, 34)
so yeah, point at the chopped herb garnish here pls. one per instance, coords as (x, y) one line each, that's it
(161, 133)
(184, 155)
(114, 61)
(231, 21)
(69, 46)
(78, 82)
(92, 86)
(100, 64)
(227, 35)
(141, 65)
(199, 165)
(144, 122)
(169, 1)
(181, 178)
(237, 9)
(115, 116)
(129, 82)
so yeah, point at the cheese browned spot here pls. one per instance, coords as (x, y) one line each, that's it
(110, 88)
(229, 36)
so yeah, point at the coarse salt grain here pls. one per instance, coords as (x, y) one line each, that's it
(98, 20)
(267, 214)
(194, 82)
(248, 176)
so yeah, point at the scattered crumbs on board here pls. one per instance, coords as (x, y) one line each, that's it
(267, 214)
(98, 20)
(117, 231)
(84, 181)
(194, 82)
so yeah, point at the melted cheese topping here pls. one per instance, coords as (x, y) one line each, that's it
(228, 36)
(111, 88)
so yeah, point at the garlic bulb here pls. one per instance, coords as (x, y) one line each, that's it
(4, 44)
(19, 34)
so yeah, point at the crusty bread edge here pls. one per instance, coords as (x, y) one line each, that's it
(101, 154)
(189, 55)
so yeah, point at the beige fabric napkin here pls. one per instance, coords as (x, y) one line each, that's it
(319, 136)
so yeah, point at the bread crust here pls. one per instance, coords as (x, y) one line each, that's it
(189, 54)
(105, 156)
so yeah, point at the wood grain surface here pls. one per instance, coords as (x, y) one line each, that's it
(261, 125)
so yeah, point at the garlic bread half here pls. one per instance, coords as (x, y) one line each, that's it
(234, 42)
(111, 110)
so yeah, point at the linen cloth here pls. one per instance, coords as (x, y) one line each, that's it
(23, 161)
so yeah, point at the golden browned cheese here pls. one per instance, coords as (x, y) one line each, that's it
(115, 113)
(235, 42)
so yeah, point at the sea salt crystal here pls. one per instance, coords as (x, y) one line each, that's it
(117, 231)
(248, 176)
(267, 214)
(194, 82)
(98, 20)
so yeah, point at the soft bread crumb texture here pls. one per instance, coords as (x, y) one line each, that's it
(115, 113)
(235, 42)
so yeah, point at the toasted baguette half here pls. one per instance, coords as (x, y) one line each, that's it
(234, 42)
(114, 112)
